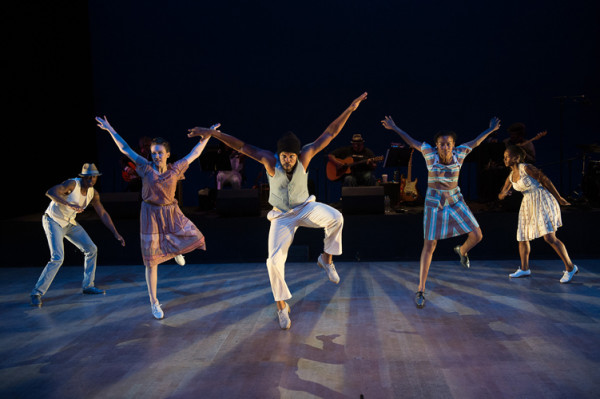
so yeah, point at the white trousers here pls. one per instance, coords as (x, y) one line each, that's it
(281, 234)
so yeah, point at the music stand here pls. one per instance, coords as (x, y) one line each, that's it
(396, 157)
(214, 159)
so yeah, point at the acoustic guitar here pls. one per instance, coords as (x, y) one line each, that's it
(335, 172)
(408, 187)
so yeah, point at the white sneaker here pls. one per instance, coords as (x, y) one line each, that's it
(284, 317)
(567, 276)
(520, 273)
(180, 260)
(329, 269)
(157, 312)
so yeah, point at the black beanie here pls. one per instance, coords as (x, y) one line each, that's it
(289, 143)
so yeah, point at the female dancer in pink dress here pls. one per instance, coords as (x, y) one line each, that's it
(539, 215)
(165, 232)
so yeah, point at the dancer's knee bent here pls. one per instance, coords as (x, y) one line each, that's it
(477, 235)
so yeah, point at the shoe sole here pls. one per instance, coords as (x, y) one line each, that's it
(521, 276)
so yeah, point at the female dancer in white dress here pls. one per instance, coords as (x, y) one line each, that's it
(539, 215)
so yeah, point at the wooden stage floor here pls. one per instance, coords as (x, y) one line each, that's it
(481, 334)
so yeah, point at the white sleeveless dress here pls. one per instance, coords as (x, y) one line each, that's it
(540, 213)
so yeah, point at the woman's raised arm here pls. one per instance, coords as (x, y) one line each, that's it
(121, 144)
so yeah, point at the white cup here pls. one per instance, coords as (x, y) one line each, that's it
(384, 178)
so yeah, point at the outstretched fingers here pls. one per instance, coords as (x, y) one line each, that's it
(202, 131)
(388, 122)
(103, 123)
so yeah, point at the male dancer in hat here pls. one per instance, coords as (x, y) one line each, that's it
(68, 199)
(292, 205)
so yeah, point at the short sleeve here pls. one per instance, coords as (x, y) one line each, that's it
(462, 151)
(426, 148)
(429, 154)
(141, 166)
(180, 167)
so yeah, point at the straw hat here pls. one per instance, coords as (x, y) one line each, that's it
(89, 169)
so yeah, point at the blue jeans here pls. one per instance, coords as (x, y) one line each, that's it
(56, 235)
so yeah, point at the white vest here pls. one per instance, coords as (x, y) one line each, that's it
(62, 214)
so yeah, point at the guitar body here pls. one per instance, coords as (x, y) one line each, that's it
(408, 187)
(335, 173)
(410, 192)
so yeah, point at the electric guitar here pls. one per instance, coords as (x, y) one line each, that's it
(536, 137)
(408, 187)
(335, 172)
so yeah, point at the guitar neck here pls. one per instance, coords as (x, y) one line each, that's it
(409, 172)
(361, 162)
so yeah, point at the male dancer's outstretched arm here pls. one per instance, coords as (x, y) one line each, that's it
(267, 158)
(334, 128)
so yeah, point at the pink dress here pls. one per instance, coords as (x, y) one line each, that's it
(165, 231)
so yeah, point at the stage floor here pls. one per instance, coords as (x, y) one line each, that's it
(481, 335)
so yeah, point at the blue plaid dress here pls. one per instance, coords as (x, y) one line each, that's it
(445, 214)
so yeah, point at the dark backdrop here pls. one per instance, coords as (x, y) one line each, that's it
(264, 67)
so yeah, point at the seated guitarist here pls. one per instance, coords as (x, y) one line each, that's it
(362, 173)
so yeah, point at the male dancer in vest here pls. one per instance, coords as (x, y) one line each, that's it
(292, 205)
(68, 199)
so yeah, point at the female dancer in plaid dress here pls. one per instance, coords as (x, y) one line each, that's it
(539, 215)
(446, 214)
(165, 232)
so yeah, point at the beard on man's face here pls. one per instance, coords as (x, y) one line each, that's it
(288, 166)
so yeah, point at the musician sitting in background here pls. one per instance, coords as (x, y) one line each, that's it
(516, 136)
(231, 177)
(362, 173)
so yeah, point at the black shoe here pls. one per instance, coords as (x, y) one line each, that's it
(464, 259)
(93, 291)
(420, 300)
(36, 300)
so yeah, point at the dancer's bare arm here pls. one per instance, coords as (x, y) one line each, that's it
(334, 128)
(119, 141)
(389, 124)
(60, 192)
(494, 125)
(545, 181)
(266, 158)
(105, 217)
(197, 150)
(506, 189)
